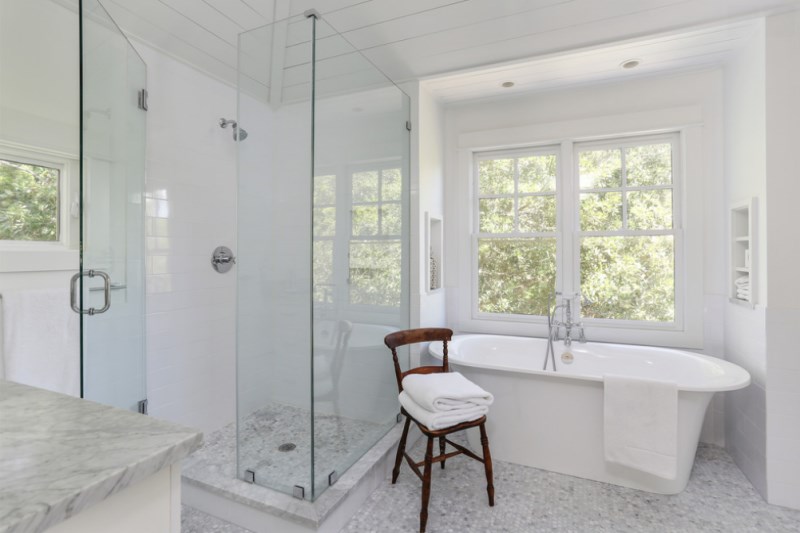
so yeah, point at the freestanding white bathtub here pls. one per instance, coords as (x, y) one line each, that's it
(554, 420)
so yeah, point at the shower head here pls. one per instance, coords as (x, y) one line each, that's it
(239, 134)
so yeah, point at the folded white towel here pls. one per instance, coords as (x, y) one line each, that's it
(441, 419)
(641, 424)
(445, 391)
(744, 280)
(41, 338)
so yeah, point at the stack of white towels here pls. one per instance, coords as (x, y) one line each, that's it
(443, 400)
(742, 287)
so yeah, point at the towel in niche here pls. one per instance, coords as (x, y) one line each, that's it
(641, 424)
(445, 391)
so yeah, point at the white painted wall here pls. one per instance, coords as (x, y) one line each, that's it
(688, 102)
(190, 209)
(39, 111)
(761, 111)
(783, 257)
(39, 120)
(606, 109)
(745, 177)
(431, 200)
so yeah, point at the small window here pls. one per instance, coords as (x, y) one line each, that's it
(324, 237)
(29, 201)
(516, 232)
(626, 236)
(375, 255)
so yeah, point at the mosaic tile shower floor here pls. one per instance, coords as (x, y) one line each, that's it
(338, 442)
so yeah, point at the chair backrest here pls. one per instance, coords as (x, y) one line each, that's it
(343, 330)
(413, 336)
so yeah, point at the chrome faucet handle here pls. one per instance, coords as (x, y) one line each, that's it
(581, 333)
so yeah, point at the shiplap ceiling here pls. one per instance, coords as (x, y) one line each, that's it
(669, 52)
(411, 39)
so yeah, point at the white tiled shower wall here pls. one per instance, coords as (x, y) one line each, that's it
(190, 209)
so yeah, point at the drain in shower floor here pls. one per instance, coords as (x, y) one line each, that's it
(287, 447)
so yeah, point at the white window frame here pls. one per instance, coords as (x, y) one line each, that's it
(62, 254)
(688, 159)
(476, 235)
(378, 166)
(574, 233)
(329, 238)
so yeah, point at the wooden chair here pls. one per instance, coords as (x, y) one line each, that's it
(412, 336)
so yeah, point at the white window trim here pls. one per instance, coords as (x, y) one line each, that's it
(575, 234)
(368, 312)
(476, 234)
(688, 121)
(39, 256)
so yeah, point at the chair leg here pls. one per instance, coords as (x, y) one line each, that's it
(426, 485)
(487, 464)
(401, 447)
(442, 449)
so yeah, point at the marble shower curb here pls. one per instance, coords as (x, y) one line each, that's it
(260, 509)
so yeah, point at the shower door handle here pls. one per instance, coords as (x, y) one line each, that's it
(106, 292)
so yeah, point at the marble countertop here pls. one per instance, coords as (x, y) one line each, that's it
(60, 455)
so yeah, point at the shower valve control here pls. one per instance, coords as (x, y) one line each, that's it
(222, 259)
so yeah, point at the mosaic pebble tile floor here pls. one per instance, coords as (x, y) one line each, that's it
(718, 499)
(194, 521)
(338, 442)
(337, 445)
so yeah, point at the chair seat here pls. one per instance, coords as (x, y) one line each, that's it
(444, 431)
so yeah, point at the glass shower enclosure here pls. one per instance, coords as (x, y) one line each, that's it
(323, 252)
(111, 280)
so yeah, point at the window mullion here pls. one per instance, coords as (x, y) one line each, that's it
(624, 183)
(568, 194)
(379, 204)
(516, 195)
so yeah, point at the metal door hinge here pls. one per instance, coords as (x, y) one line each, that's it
(333, 477)
(143, 99)
(299, 492)
(249, 476)
(408, 125)
(142, 406)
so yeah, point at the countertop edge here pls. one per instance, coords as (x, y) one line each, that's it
(98, 492)
(179, 443)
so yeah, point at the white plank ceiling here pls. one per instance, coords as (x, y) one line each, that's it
(411, 39)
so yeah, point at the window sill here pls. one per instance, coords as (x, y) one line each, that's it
(688, 338)
(44, 258)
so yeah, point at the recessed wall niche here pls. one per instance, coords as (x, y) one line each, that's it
(433, 245)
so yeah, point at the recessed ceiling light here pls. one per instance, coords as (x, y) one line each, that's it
(630, 63)
(508, 84)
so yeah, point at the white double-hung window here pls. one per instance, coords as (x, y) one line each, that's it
(516, 235)
(600, 219)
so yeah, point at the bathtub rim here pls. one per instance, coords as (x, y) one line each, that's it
(730, 368)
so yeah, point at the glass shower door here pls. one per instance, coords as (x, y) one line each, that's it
(323, 248)
(361, 243)
(109, 288)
